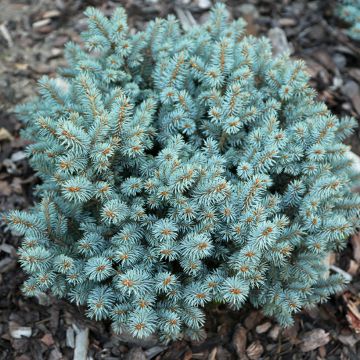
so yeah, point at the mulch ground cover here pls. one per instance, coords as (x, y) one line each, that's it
(32, 36)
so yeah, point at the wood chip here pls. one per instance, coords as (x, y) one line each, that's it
(291, 333)
(263, 328)
(322, 352)
(239, 341)
(5, 188)
(21, 66)
(342, 272)
(287, 22)
(279, 42)
(349, 340)
(41, 23)
(353, 267)
(9, 249)
(353, 313)
(17, 331)
(81, 343)
(16, 185)
(6, 264)
(135, 353)
(186, 19)
(255, 350)
(43, 299)
(253, 319)
(17, 156)
(355, 162)
(51, 14)
(325, 59)
(274, 332)
(56, 354)
(70, 337)
(48, 340)
(354, 320)
(317, 71)
(5, 135)
(54, 319)
(55, 52)
(188, 355)
(355, 243)
(250, 14)
(199, 356)
(352, 90)
(145, 343)
(156, 350)
(328, 261)
(222, 354)
(204, 4)
(355, 74)
(313, 339)
(5, 33)
(212, 355)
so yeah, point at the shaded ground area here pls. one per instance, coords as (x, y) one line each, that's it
(32, 36)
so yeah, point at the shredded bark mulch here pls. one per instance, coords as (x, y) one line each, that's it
(32, 36)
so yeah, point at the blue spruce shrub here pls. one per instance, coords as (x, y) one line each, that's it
(179, 169)
(349, 11)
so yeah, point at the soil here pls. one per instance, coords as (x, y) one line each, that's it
(32, 37)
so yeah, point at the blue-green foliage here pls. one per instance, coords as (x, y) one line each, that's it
(183, 168)
(349, 11)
